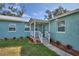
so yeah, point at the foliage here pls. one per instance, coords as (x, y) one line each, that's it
(10, 10)
(60, 10)
(69, 46)
(14, 38)
(49, 14)
(57, 42)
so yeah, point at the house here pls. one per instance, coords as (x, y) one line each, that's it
(13, 27)
(63, 28)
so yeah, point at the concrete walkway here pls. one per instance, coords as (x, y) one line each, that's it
(57, 50)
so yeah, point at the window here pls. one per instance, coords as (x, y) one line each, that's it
(27, 28)
(12, 27)
(61, 26)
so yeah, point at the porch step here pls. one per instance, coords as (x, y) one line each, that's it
(45, 41)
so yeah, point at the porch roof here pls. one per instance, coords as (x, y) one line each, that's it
(39, 21)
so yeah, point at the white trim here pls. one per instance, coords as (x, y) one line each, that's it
(27, 31)
(25, 27)
(10, 26)
(60, 32)
(57, 20)
(11, 31)
(30, 26)
(60, 26)
(12, 18)
(34, 28)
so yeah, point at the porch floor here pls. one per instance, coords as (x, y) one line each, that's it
(57, 50)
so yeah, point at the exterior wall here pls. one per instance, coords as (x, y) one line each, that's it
(71, 35)
(20, 30)
(46, 28)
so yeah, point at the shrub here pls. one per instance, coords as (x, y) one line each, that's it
(14, 38)
(21, 37)
(28, 37)
(57, 42)
(69, 46)
(6, 38)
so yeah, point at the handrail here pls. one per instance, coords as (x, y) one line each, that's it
(47, 35)
(31, 33)
(38, 34)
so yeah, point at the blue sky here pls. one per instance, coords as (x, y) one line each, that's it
(37, 10)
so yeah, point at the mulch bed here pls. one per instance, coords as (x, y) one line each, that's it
(63, 47)
(31, 40)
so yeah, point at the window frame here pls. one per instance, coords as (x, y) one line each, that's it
(10, 26)
(25, 27)
(58, 20)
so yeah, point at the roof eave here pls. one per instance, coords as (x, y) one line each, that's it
(11, 18)
(66, 14)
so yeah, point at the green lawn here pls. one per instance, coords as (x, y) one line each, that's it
(29, 49)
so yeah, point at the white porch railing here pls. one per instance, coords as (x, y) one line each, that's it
(41, 37)
(32, 33)
(47, 36)
(38, 35)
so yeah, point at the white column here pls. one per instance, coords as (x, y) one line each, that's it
(49, 31)
(30, 28)
(34, 28)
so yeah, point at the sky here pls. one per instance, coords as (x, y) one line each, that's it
(37, 10)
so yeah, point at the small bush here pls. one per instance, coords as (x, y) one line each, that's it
(21, 37)
(14, 38)
(6, 38)
(57, 42)
(69, 46)
(28, 37)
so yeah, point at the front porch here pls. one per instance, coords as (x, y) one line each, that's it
(40, 31)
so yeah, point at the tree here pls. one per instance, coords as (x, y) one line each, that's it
(20, 13)
(11, 10)
(49, 14)
(45, 16)
(60, 10)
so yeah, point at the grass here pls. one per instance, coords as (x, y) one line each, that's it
(29, 49)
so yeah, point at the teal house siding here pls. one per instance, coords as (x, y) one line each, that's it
(46, 27)
(20, 29)
(71, 35)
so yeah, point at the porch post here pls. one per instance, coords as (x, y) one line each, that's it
(49, 31)
(30, 28)
(34, 28)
